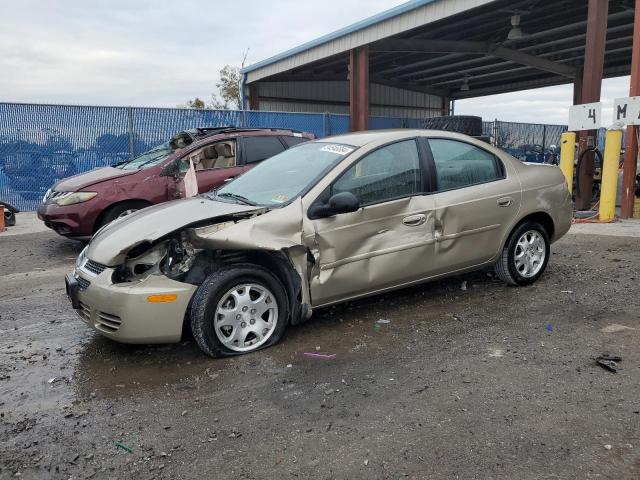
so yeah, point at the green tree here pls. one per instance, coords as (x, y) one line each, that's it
(228, 96)
(228, 89)
(196, 103)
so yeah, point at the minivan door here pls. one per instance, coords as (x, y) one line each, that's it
(214, 164)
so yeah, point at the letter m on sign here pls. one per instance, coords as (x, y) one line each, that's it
(627, 110)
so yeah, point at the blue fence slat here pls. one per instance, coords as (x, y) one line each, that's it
(40, 144)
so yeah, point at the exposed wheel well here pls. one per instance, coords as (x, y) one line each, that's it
(276, 262)
(279, 264)
(134, 203)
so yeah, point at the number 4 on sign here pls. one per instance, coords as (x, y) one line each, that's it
(587, 116)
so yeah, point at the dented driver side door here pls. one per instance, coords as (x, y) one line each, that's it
(389, 241)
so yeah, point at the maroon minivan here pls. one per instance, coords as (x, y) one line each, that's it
(78, 206)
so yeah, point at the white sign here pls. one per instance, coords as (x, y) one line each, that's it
(587, 116)
(627, 110)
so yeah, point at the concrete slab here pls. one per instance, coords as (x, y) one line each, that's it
(621, 228)
(26, 222)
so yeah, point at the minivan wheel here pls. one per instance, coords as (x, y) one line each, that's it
(239, 309)
(525, 255)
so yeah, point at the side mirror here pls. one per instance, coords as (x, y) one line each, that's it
(344, 202)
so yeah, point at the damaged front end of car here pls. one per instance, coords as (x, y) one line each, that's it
(268, 238)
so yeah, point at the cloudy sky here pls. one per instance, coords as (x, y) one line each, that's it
(162, 53)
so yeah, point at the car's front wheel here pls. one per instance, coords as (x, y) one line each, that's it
(525, 255)
(239, 309)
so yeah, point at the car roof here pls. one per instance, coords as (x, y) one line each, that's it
(360, 139)
(203, 132)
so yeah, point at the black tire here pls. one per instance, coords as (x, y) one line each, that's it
(505, 266)
(9, 218)
(467, 124)
(113, 212)
(206, 299)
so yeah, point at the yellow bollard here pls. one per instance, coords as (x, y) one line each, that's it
(567, 156)
(609, 182)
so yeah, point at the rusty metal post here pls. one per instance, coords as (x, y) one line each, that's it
(577, 89)
(359, 89)
(254, 97)
(631, 149)
(591, 85)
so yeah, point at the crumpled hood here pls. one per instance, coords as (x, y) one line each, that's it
(83, 180)
(111, 243)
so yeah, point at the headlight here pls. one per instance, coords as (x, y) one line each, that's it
(46, 196)
(70, 198)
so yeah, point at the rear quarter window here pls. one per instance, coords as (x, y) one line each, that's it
(257, 149)
(292, 141)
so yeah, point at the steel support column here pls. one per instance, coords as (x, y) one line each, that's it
(359, 89)
(591, 85)
(631, 150)
(254, 97)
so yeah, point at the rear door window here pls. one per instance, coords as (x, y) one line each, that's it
(460, 164)
(257, 149)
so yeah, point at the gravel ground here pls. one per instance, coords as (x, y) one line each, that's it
(485, 381)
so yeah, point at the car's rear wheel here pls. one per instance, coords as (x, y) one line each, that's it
(239, 309)
(525, 255)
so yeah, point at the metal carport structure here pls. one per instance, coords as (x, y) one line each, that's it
(415, 58)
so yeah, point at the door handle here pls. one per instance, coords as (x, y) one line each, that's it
(505, 202)
(226, 180)
(414, 220)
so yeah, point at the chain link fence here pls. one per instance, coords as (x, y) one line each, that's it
(530, 142)
(40, 144)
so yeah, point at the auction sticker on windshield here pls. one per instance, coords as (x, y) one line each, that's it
(335, 148)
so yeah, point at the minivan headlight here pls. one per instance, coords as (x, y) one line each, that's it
(70, 198)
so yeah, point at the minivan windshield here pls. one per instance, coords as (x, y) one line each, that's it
(149, 158)
(283, 177)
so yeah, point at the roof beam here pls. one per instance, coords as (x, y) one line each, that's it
(479, 48)
(440, 92)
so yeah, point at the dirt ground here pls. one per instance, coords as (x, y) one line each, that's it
(484, 382)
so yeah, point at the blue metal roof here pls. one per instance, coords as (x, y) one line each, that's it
(367, 22)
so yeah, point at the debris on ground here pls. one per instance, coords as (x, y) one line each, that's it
(383, 321)
(324, 356)
(609, 362)
(615, 328)
(123, 446)
(607, 447)
(549, 327)
(463, 287)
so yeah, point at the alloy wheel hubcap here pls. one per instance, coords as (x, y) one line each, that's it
(530, 253)
(246, 317)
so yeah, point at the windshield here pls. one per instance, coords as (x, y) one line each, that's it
(149, 158)
(283, 177)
